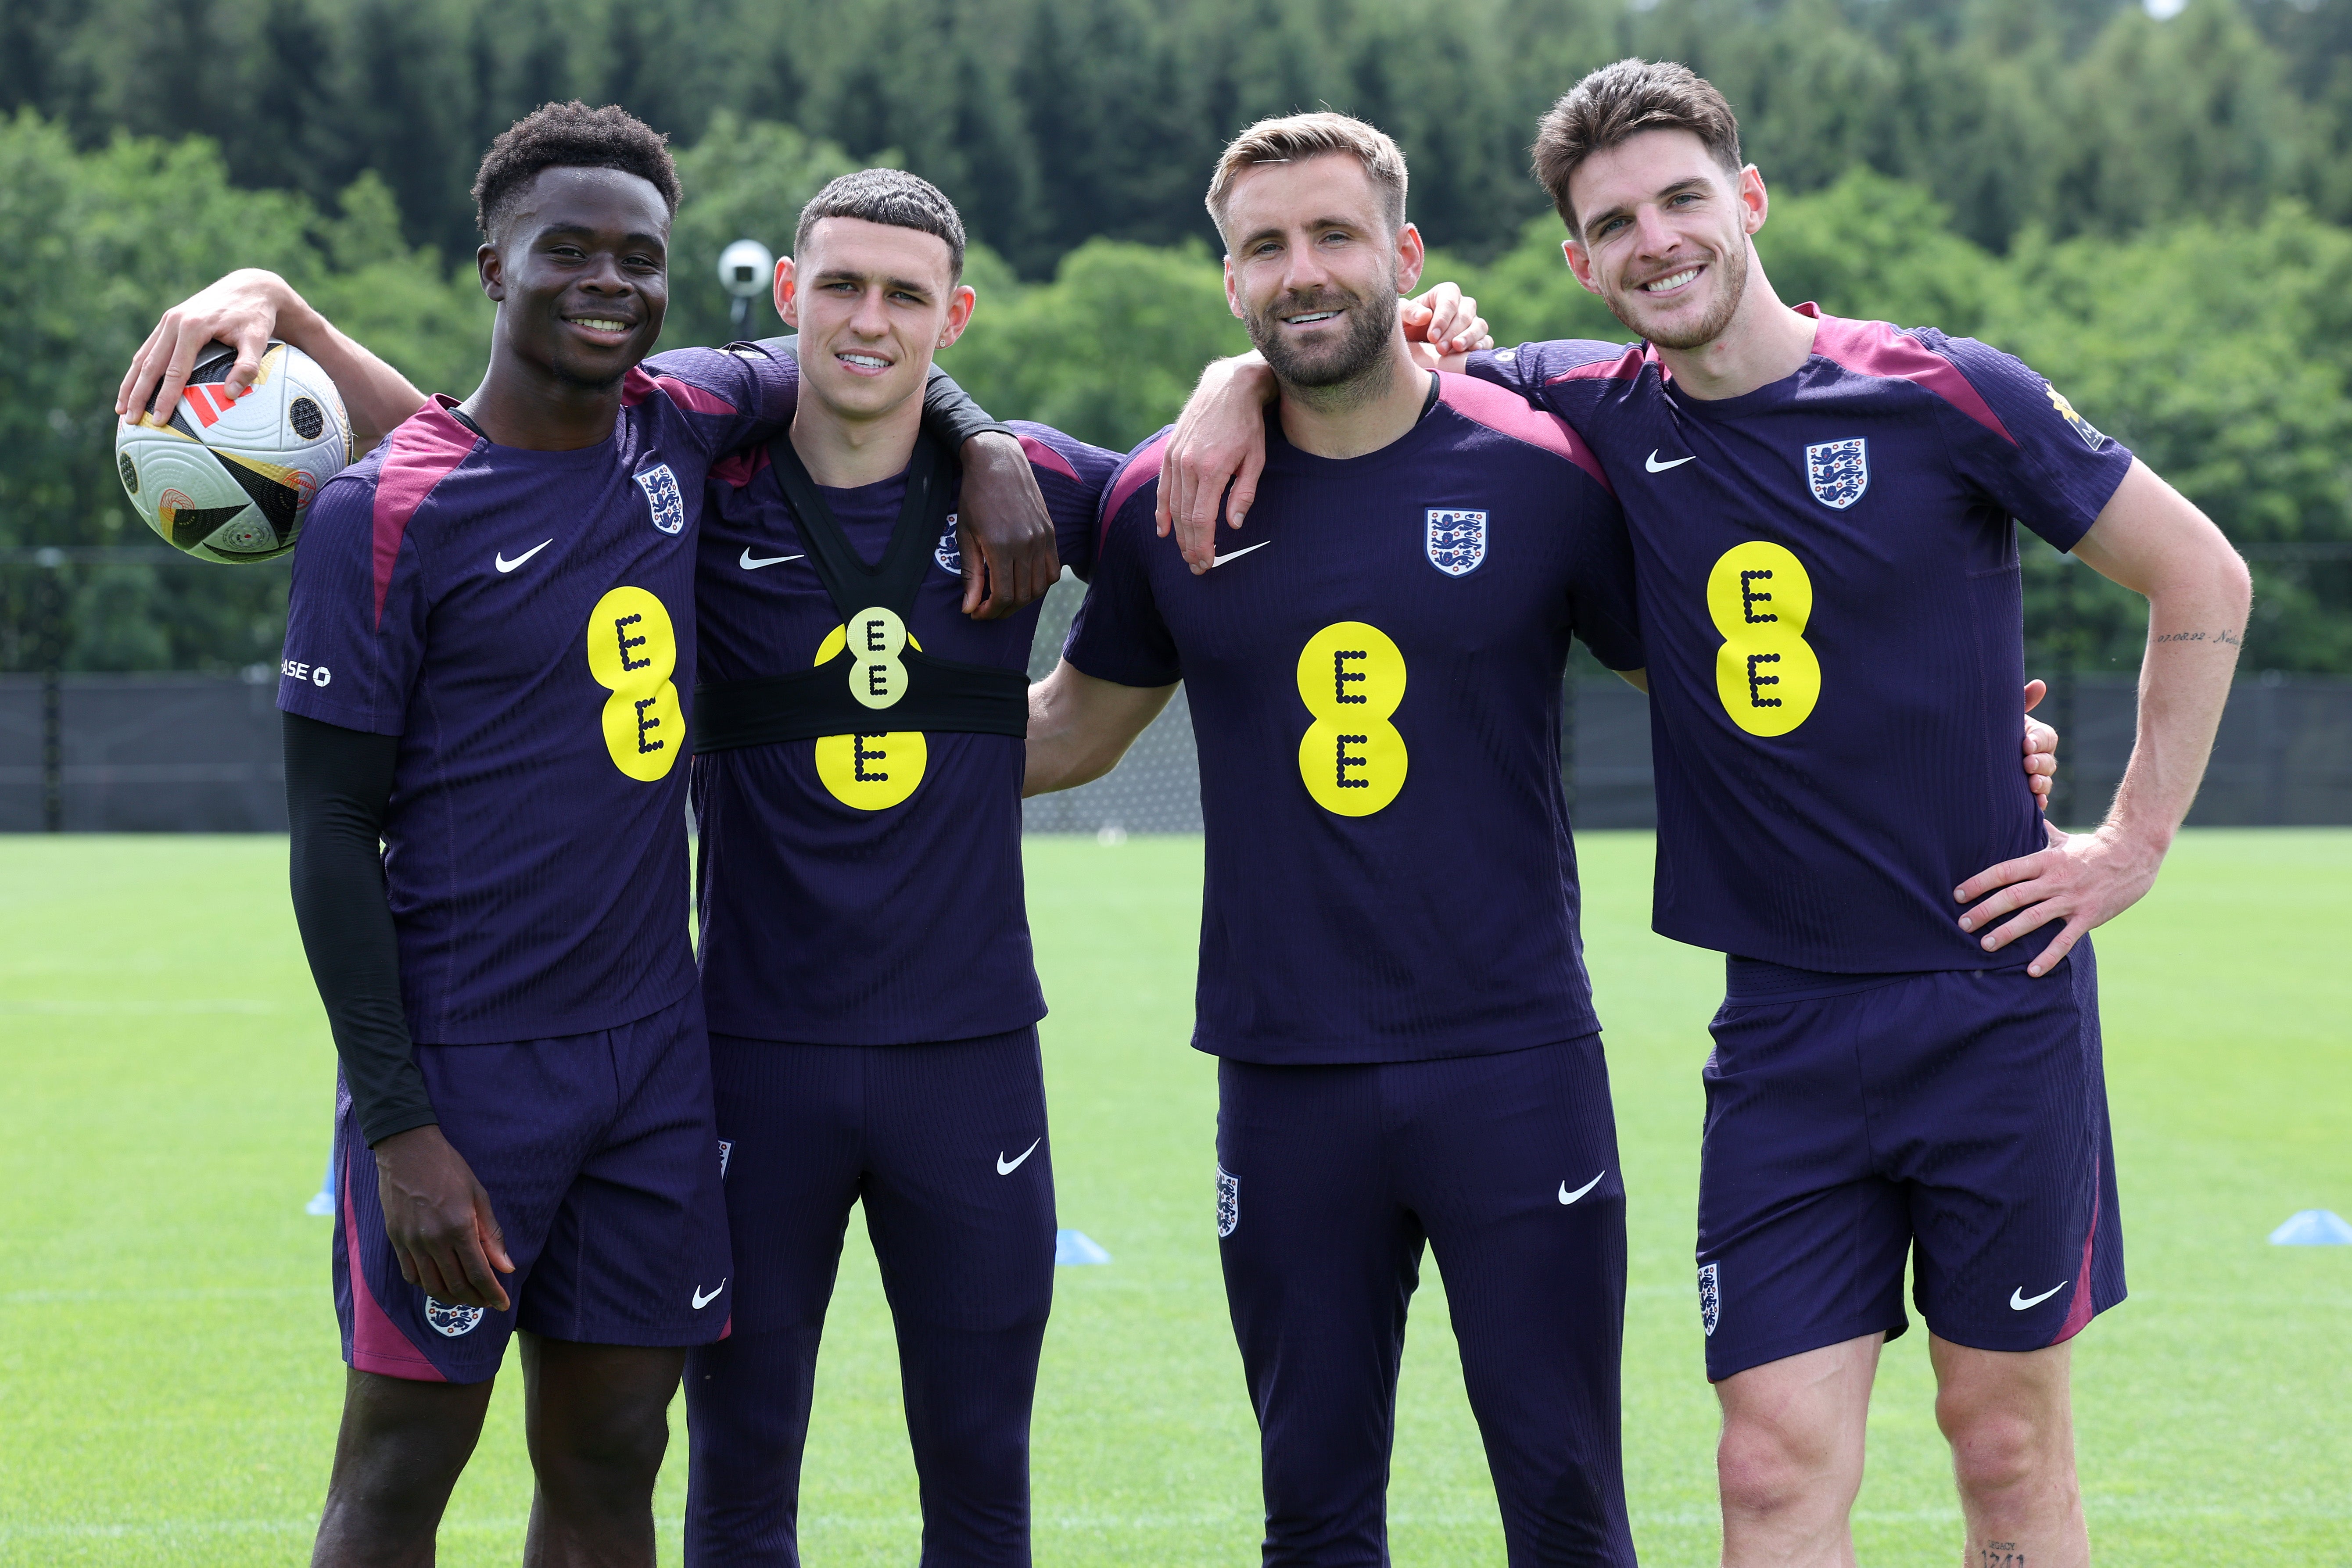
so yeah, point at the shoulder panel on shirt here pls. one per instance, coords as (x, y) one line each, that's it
(424, 450)
(638, 385)
(1041, 455)
(1879, 349)
(1506, 414)
(740, 466)
(1592, 361)
(1142, 468)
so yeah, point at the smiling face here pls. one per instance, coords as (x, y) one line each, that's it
(580, 270)
(1663, 236)
(1313, 268)
(872, 303)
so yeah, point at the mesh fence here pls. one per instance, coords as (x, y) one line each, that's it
(187, 753)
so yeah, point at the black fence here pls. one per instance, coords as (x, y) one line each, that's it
(184, 753)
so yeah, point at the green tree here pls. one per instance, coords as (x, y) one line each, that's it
(744, 179)
(1109, 349)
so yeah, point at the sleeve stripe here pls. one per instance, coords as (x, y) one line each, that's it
(1625, 366)
(637, 386)
(1042, 455)
(1507, 414)
(424, 450)
(1140, 470)
(1877, 348)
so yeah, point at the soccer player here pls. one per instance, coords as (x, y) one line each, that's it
(491, 643)
(1907, 1060)
(866, 958)
(1391, 972)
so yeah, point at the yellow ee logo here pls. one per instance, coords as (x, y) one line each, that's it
(871, 772)
(876, 638)
(1759, 598)
(632, 652)
(1352, 678)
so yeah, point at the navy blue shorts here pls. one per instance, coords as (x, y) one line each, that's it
(1330, 1181)
(602, 1162)
(945, 1144)
(1958, 1117)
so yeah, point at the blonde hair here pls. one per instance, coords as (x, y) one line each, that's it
(1294, 137)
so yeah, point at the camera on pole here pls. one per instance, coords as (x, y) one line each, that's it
(744, 268)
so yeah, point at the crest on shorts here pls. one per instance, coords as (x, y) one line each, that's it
(450, 1320)
(950, 554)
(725, 1149)
(1710, 1299)
(1456, 540)
(660, 486)
(1229, 1202)
(1838, 471)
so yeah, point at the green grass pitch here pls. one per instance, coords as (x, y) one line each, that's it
(168, 1375)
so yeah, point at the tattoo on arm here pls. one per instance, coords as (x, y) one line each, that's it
(2228, 639)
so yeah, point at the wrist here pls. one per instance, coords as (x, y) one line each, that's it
(293, 319)
(1248, 374)
(2138, 838)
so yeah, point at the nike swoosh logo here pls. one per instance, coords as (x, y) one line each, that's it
(1655, 466)
(1237, 554)
(505, 565)
(748, 564)
(1568, 1196)
(1005, 1168)
(2019, 1300)
(701, 1301)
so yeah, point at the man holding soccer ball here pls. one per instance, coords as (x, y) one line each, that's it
(502, 599)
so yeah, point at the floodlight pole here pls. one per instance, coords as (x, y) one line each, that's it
(52, 563)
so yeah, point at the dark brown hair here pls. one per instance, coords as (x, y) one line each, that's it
(1617, 103)
(890, 197)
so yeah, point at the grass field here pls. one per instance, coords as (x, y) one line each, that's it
(168, 1373)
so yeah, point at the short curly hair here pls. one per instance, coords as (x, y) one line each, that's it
(570, 136)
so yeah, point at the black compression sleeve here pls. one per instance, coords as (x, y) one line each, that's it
(338, 782)
(950, 414)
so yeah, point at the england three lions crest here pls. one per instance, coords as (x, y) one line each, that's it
(1838, 471)
(663, 496)
(1456, 540)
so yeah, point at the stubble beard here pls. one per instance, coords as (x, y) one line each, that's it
(1731, 270)
(1352, 367)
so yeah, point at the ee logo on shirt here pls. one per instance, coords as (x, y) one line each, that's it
(871, 772)
(632, 652)
(1352, 758)
(1759, 598)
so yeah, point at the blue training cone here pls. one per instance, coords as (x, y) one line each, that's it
(322, 1202)
(1072, 1248)
(2314, 1227)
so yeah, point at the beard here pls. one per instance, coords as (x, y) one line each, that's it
(1371, 322)
(1731, 287)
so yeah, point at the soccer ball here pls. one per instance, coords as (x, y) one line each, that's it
(231, 478)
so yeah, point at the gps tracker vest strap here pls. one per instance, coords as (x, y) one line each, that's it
(879, 683)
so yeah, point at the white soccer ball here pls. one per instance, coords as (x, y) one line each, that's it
(231, 480)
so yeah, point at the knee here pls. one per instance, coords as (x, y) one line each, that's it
(1765, 1466)
(616, 1454)
(1995, 1446)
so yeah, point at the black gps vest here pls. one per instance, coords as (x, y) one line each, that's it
(879, 683)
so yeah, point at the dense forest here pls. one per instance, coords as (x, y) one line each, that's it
(2157, 213)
